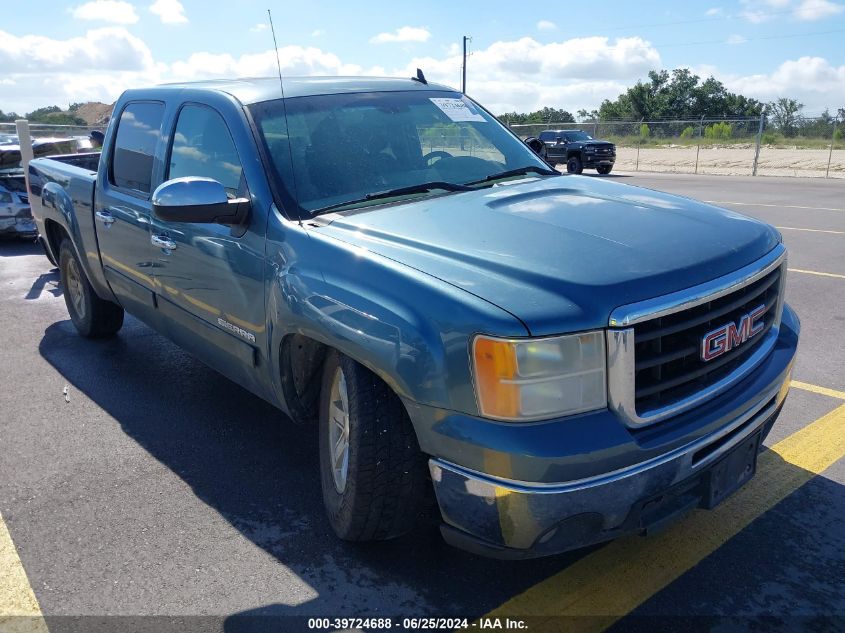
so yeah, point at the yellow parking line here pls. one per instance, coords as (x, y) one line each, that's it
(604, 586)
(815, 272)
(795, 228)
(777, 206)
(833, 393)
(19, 610)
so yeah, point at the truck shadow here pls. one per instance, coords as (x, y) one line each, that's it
(259, 471)
(45, 282)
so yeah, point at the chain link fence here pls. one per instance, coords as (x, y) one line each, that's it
(810, 146)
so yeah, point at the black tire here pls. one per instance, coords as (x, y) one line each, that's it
(604, 169)
(92, 316)
(384, 491)
(574, 165)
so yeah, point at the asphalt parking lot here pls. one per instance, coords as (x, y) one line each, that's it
(135, 482)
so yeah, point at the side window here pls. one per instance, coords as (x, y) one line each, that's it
(138, 132)
(5, 196)
(546, 136)
(202, 146)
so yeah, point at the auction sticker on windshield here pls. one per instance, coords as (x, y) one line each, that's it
(457, 109)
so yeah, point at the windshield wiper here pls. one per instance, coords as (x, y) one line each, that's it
(423, 187)
(521, 171)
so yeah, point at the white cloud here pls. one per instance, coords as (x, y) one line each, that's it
(736, 39)
(169, 11)
(817, 9)
(104, 49)
(261, 26)
(759, 11)
(521, 75)
(317, 33)
(402, 34)
(525, 75)
(295, 60)
(813, 81)
(714, 11)
(546, 25)
(114, 11)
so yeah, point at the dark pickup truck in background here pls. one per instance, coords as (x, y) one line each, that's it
(561, 359)
(577, 150)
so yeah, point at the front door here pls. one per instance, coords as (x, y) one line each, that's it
(122, 207)
(210, 277)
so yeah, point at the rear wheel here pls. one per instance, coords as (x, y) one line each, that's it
(604, 169)
(574, 165)
(93, 317)
(372, 472)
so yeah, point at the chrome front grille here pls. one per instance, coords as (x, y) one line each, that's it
(668, 362)
(655, 366)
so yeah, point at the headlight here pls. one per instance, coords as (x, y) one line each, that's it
(536, 379)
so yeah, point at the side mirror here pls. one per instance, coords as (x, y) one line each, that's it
(535, 144)
(199, 200)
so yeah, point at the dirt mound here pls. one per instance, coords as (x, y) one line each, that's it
(94, 112)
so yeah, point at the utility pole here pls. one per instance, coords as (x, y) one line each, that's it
(464, 66)
(759, 139)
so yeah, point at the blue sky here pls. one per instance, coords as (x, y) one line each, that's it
(569, 55)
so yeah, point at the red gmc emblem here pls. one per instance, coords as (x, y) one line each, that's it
(731, 335)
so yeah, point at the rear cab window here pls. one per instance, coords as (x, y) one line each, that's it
(138, 133)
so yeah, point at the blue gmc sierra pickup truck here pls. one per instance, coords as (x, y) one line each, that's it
(561, 359)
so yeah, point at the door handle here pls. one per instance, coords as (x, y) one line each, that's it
(163, 242)
(105, 217)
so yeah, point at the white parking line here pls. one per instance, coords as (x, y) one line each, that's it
(794, 228)
(815, 272)
(776, 206)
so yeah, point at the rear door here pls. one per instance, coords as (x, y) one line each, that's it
(210, 277)
(122, 207)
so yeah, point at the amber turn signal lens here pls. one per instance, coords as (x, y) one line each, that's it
(495, 361)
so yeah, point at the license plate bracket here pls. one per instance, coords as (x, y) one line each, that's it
(732, 471)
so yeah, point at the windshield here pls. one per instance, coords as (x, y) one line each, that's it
(343, 147)
(578, 135)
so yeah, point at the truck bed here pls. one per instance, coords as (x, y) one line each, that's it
(62, 200)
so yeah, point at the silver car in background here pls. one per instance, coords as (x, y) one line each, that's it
(15, 214)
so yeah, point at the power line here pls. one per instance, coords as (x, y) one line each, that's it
(750, 39)
(719, 18)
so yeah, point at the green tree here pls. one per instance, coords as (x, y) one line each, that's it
(8, 118)
(590, 116)
(719, 131)
(645, 132)
(55, 116)
(546, 115)
(675, 95)
(688, 132)
(785, 115)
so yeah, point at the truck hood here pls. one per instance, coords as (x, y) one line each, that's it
(560, 253)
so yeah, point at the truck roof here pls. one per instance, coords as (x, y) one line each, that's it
(255, 89)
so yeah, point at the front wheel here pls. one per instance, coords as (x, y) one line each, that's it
(574, 165)
(604, 169)
(372, 472)
(93, 317)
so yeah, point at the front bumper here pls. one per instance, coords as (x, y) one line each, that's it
(506, 518)
(598, 160)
